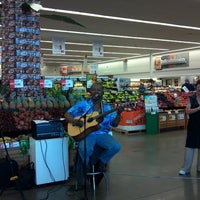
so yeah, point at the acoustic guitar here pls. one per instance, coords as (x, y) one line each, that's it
(91, 124)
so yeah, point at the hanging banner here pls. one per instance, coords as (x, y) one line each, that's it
(93, 69)
(98, 49)
(58, 46)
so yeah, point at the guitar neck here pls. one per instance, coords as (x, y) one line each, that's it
(103, 114)
(107, 112)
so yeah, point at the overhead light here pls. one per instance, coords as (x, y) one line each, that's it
(28, 5)
(119, 18)
(120, 36)
(38, 7)
(81, 51)
(109, 45)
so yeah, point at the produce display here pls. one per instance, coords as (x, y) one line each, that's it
(17, 113)
(172, 100)
(22, 141)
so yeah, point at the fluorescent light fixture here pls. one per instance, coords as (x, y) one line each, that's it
(52, 59)
(78, 61)
(35, 6)
(120, 36)
(178, 50)
(81, 51)
(38, 7)
(53, 55)
(120, 18)
(131, 47)
(109, 45)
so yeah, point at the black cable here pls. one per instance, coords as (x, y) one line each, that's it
(63, 159)
(53, 189)
(45, 159)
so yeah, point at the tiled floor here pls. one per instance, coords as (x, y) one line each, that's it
(145, 169)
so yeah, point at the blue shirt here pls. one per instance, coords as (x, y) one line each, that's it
(84, 106)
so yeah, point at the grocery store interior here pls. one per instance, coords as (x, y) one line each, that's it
(142, 53)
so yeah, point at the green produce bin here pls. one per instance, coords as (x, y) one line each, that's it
(152, 123)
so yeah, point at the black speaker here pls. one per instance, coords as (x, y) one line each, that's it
(8, 170)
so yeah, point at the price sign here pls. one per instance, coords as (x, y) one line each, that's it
(48, 83)
(16, 83)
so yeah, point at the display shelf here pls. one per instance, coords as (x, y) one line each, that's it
(172, 99)
(172, 119)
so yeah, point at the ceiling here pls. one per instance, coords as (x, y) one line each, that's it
(184, 12)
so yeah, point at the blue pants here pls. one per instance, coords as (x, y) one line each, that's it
(110, 145)
(189, 155)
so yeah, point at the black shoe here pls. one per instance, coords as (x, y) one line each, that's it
(101, 167)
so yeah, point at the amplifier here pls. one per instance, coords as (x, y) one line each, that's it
(43, 129)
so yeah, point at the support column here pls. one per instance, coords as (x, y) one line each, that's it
(151, 66)
(20, 48)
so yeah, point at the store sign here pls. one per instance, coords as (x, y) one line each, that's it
(69, 70)
(16, 83)
(58, 46)
(150, 100)
(171, 61)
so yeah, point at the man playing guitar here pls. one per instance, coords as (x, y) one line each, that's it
(97, 133)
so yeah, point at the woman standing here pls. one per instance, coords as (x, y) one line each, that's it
(193, 132)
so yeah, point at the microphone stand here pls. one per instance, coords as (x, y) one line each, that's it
(84, 116)
(84, 165)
